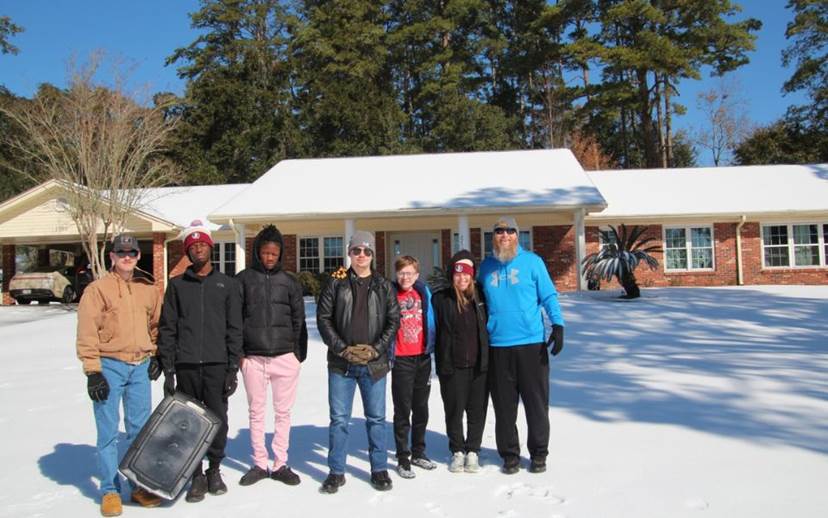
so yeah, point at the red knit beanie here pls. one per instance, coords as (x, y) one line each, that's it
(196, 233)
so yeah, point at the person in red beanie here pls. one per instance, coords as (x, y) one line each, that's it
(200, 345)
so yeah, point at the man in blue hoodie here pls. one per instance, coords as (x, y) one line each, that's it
(517, 285)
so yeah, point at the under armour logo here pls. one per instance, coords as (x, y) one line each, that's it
(497, 277)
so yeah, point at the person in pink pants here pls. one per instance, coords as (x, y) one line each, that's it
(275, 344)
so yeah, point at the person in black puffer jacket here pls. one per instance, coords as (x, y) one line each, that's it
(462, 358)
(275, 342)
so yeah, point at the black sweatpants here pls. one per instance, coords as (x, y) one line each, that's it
(520, 371)
(465, 391)
(205, 383)
(410, 388)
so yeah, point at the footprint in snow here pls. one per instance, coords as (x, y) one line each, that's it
(381, 498)
(435, 509)
(697, 504)
(520, 490)
(508, 513)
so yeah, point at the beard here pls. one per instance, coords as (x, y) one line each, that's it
(505, 254)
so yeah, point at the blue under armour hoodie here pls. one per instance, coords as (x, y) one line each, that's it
(515, 292)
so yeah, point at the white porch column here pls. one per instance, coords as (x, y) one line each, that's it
(241, 255)
(463, 235)
(580, 247)
(350, 227)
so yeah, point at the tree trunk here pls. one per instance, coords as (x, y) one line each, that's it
(630, 286)
(668, 122)
(660, 122)
(647, 130)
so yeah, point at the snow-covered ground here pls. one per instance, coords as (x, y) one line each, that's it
(687, 402)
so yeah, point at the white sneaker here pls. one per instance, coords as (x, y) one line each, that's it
(472, 464)
(458, 459)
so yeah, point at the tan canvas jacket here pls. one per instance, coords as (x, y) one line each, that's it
(117, 319)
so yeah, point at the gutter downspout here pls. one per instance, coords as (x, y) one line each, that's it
(740, 278)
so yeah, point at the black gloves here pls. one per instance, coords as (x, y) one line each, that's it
(154, 370)
(231, 381)
(169, 383)
(556, 339)
(97, 386)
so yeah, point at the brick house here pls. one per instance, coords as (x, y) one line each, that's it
(717, 226)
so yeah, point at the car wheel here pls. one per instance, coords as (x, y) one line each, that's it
(24, 301)
(68, 295)
(43, 301)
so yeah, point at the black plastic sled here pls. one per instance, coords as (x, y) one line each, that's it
(170, 445)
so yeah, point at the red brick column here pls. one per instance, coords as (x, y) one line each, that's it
(177, 262)
(158, 259)
(8, 272)
(380, 251)
(289, 252)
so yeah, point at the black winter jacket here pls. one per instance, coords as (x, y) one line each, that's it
(333, 318)
(445, 312)
(273, 310)
(201, 321)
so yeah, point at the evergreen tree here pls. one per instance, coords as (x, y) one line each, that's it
(808, 52)
(237, 115)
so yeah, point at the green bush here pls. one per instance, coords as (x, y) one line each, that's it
(310, 284)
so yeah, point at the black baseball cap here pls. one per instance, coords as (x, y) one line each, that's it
(125, 243)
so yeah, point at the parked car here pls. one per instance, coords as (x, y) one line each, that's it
(44, 285)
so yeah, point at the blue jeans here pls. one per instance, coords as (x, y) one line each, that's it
(130, 383)
(341, 399)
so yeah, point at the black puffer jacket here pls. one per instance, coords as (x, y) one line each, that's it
(446, 315)
(201, 321)
(333, 318)
(272, 306)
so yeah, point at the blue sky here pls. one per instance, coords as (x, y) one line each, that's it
(145, 33)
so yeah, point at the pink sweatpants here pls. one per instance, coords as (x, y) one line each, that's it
(282, 373)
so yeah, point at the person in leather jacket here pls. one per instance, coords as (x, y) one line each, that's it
(358, 316)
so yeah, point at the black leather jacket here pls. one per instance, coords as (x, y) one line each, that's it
(333, 318)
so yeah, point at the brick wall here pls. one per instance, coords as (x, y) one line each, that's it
(289, 253)
(8, 271)
(752, 259)
(177, 262)
(158, 260)
(556, 246)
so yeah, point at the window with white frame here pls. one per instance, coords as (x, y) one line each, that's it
(688, 248)
(606, 240)
(321, 254)
(795, 245)
(524, 240)
(223, 257)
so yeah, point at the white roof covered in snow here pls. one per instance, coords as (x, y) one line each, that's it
(417, 184)
(713, 190)
(182, 205)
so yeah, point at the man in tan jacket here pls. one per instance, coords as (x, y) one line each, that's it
(117, 330)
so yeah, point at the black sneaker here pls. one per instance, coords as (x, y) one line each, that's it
(332, 484)
(254, 475)
(381, 481)
(198, 488)
(215, 485)
(537, 466)
(423, 462)
(286, 475)
(511, 465)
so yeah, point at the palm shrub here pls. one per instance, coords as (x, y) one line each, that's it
(625, 249)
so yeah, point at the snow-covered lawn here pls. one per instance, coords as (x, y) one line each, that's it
(688, 402)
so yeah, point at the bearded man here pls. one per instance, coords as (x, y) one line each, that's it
(517, 285)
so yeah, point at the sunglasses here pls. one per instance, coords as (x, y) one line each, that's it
(501, 231)
(360, 250)
(127, 253)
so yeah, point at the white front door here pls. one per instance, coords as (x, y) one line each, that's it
(425, 246)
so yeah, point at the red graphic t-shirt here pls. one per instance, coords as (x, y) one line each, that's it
(410, 339)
